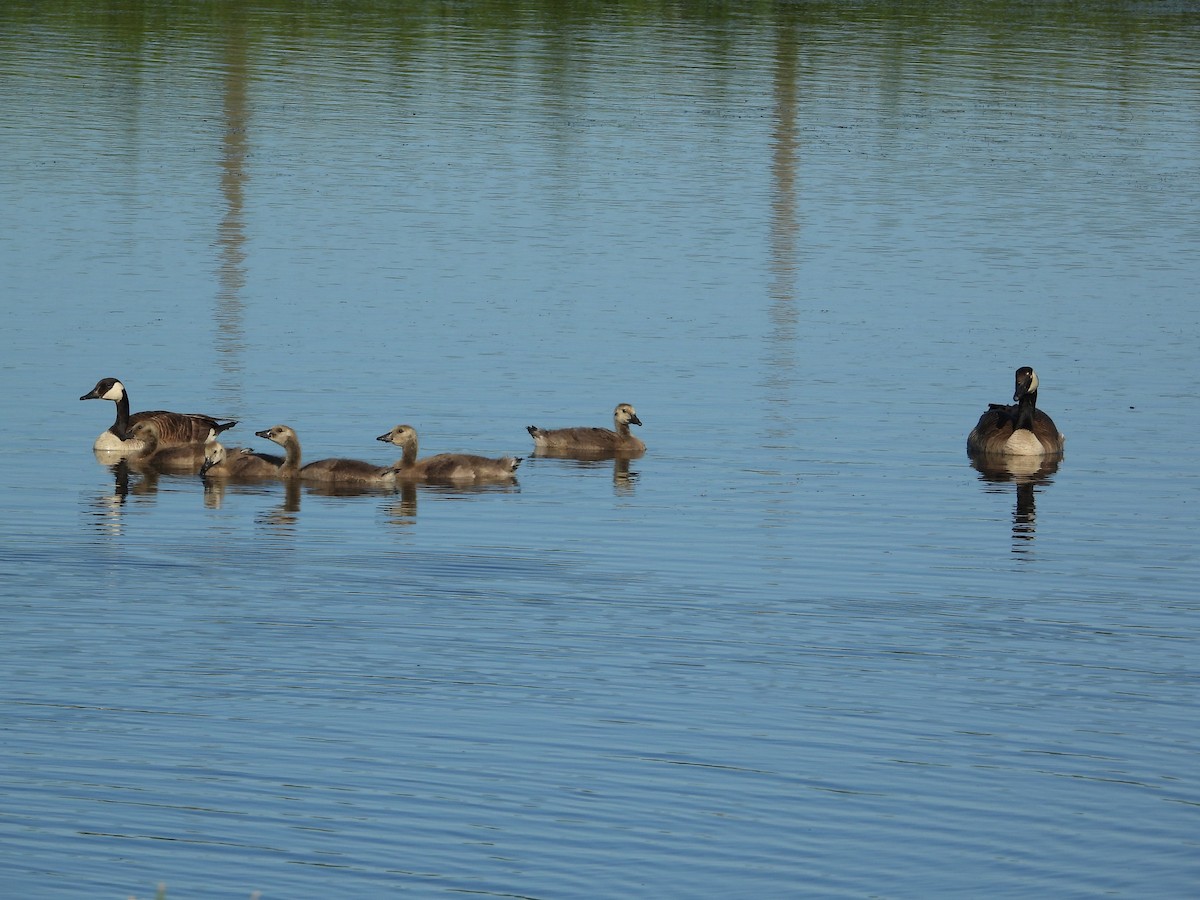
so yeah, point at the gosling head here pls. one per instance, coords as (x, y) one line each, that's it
(145, 431)
(214, 455)
(400, 435)
(280, 434)
(626, 415)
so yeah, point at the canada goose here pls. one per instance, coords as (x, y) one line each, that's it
(343, 471)
(174, 429)
(1018, 430)
(155, 456)
(238, 463)
(456, 467)
(592, 440)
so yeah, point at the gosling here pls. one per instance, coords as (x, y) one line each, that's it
(446, 467)
(592, 441)
(328, 471)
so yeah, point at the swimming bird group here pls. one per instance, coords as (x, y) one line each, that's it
(181, 442)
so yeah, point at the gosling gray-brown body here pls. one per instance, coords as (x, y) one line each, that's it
(1019, 429)
(238, 463)
(445, 467)
(340, 471)
(618, 441)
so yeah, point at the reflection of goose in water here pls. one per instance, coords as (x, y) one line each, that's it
(624, 478)
(341, 471)
(106, 509)
(216, 489)
(280, 517)
(174, 429)
(1029, 474)
(1017, 430)
(446, 467)
(401, 508)
(591, 443)
(143, 483)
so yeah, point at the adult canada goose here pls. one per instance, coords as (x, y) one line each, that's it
(456, 467)
(238, 463)
(592, 440)
(341, 471)
(1017, 430)
(174, 429)
(145, 433)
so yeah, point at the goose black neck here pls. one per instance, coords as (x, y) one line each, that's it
(121, 426)
(1026, 407)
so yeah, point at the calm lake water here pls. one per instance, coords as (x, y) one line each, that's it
(801, 647)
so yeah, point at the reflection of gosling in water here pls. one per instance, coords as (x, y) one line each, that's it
(1018, 430)
(339, 471)
(458, 467)
(238, 463)
(146, 434)
(592, 440)
(174, 429)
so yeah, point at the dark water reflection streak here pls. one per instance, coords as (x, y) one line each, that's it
(105, 510)
(1029, 475)
(784, 227)
(624, 476)
(230, 341)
